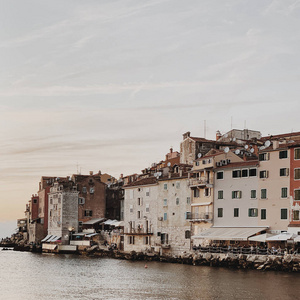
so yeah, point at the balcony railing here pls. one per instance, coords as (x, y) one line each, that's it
(200, 216)
(138, 231)
(198, 182)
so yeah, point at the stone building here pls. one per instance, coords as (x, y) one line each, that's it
(63, 210)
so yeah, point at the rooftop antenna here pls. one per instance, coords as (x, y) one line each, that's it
(205, 129)
(231, 122)
(77, 168)
(245, 124)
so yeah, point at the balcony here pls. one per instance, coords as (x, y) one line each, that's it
(138, 231)
(200, 183)
(200, 217)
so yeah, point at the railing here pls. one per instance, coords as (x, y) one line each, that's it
(138, 230)
(244, 250)
(200, 216)
(194, 181)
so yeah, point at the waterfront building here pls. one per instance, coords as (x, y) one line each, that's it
(173, 234)
(140, 214)
(294, 225)
(91, 197)
(274, 186)
(63, 210)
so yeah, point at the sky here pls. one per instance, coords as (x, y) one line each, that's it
(111, 85)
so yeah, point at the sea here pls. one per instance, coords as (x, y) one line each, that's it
(27, 276)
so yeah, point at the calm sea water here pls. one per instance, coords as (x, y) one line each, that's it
(26, 275)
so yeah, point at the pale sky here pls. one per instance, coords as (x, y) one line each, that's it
(112, 84)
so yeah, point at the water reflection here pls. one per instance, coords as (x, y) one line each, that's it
(43, 276)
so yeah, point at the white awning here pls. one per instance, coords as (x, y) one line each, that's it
(46, 238)
(54, 238)
(297, 239)
(93, 221)
(91, 234)
(284, 236)
(229, 233)
(119, 224)
(260, 237)
(109, 222)
(201, 204)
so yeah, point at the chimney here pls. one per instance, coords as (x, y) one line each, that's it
(171, 150)
(186, 135)
(275, 144)
(91, 173)
(218, 135)
(180, 173)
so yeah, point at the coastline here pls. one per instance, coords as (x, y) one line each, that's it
(286, 263)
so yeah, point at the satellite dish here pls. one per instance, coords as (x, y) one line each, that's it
(261, 148)
(226, 150)
(246, 147)
(155, 174)
(267, 144)
(159, 173)
(226, 135)
(237, 151)
(252, 150)
(234, 139)
(199, 155)
(168, 164)
(191, 162)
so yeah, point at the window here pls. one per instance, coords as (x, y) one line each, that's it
(204, 162)
(51, 201)
(131, 208)
(236, 173)
(139, 201)
(138, 214)
(165, 202)
(165, 186)
(197, 163)
(220, 194)
(297, 174)
(196, 193)
(188, 215)
(81, 201)
(252, 172)
(236, 194)
(84, 190)
(147, 192)
(235, 212)
(165, 216)
(297, 195)
(220, 212)
(147, 208)
(263, 214)
(245, 173)
(297, 153)
(253, 194)
(284, 192)
(131, 240)
(263, 193)
(263, 174)
(177, 185)
(283, 214)
(253, 212)
(220, 175)
(88, 213)
(177, 201)
(296, 215)
(188, 200)
(263, 156)
(146, 240)
(206, 192)
(284, 172)
(92, 190)
(164, 237)
(35, 201)
(187, 234)
(283, 154)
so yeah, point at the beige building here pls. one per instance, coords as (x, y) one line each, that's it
(202, 186)
(273, 187)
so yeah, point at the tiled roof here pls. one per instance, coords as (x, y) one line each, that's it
(240, 164)
(284, 135)
(144, 181)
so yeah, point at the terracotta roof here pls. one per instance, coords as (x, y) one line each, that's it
(284, 135)
(240, 164)
(144, 181)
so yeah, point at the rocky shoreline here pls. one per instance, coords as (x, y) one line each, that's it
(285, 263)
